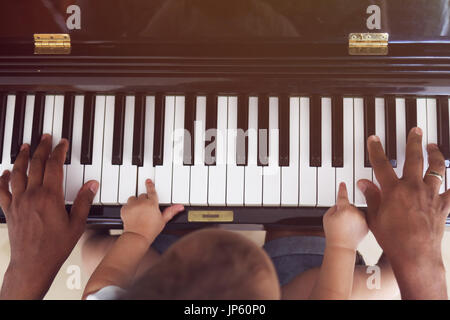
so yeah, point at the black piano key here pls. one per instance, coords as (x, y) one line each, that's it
(443, 128)
(19, 117)
(38, 121)
(242, 126)
(3, 105)
(411, 114)
(315, 129)
(369, 125)
(263, 130)
(158, 142)
(138, 131)
(337, 127)
(87, 140)
(391, 130)
(210, 124)
(67, 126)
(283, 125)
(119, 125)
(189, 122)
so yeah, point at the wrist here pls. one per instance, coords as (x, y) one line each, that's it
(20, 282)
(335, 245)
(144, 240)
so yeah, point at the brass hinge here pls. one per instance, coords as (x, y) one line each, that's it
(368, 44)
(52, 43)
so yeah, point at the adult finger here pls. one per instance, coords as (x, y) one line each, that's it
(373, 198)
(380, 164)
(436, 166)
(342, 196)
(53, 175)
(37, 164)
(82, 205)
(19, 172)
(446, 203)
(151, 191)
(5, 195)
(171, 211)
(413, 168)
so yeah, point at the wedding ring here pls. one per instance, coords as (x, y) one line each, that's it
(435, 174)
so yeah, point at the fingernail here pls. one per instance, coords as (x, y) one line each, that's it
(433, 146)
(180, 207)
(374, 138)
(362, 186)
(6, 173)
(63, 140)
(45, 136)
(417, 131)
(24, 146)
(94, 187)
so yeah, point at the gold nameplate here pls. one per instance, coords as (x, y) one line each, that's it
(52, 43)
(210, 216)
(368, 44)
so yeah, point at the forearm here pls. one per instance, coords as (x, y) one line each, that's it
(423, 278)
(336, 274)
(119, 265)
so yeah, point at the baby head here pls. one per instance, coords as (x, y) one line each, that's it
(210, 264)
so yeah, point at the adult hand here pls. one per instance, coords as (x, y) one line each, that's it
(41, 232)
(407, 216)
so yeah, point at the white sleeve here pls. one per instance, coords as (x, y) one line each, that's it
(107, 293)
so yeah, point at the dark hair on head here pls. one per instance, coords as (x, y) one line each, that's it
(211, 265)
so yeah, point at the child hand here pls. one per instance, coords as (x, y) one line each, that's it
(344, 225)
(141, 215)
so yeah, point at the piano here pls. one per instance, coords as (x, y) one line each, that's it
(245, 111)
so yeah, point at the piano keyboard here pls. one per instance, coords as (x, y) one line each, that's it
(313, 143)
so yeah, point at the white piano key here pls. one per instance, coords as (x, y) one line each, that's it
(448, 169)
(380, 127)
(360, 142)
(422, 123)
(181, 173)
(75, 170)
(28, 120)
(400, 116)
(272, 172)
(345, 173)
(163, 174)
(217, 174)
(47, 126)
(199, 172)
(110, 172)
(253, 173)
(128, 171)
(308, 175)
(147, 171)
(289, 175)
(432, 128)
(58, 114)
(7, 138)
(326, 174)
(235, 173)
(94, 170)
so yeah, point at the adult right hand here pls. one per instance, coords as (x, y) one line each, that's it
(407, 216)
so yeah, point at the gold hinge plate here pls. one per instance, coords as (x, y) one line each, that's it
(368, 44)
(210, 216)
(52, 43)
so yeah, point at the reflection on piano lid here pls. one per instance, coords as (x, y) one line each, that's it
(142, 72)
